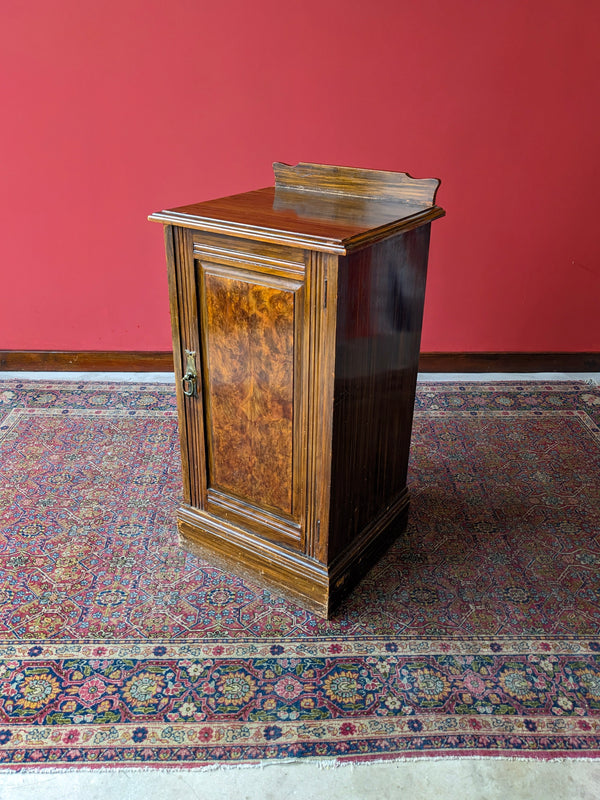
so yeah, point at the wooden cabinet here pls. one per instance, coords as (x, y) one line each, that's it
(296, 314)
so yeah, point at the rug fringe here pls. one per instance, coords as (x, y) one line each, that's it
(322, 764)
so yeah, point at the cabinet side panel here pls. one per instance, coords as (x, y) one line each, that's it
(249, 338)
(381, 293)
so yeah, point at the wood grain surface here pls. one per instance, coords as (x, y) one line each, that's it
(371, 184)
(249, 334)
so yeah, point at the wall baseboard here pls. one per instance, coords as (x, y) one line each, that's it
(509, 362)
(162, 361)
(86, 361)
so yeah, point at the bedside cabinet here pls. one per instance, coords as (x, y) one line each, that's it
(296, 314)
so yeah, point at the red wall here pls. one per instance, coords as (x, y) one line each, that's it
(114, 109)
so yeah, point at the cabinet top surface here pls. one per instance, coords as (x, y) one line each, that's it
(334, 209)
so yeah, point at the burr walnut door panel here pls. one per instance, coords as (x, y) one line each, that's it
(251, 330)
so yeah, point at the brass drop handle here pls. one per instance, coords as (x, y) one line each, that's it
(190, 378)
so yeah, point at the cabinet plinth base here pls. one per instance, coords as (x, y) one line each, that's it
(301, 579)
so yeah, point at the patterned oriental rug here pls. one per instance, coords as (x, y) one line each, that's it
(478, 633)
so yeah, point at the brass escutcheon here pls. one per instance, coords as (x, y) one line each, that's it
(190, 378)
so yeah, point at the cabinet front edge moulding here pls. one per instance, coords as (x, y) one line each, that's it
(295, 239)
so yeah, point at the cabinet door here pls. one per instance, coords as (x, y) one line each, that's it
(251, 313)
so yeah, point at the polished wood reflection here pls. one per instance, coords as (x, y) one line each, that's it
(380, 305)
(333, 209)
